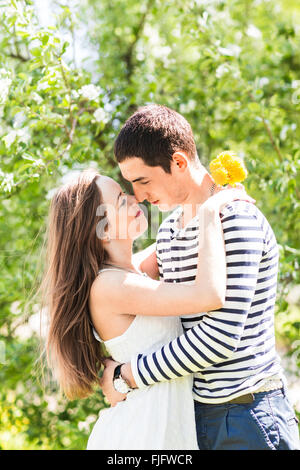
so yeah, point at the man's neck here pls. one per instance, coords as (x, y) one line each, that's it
(198, 194)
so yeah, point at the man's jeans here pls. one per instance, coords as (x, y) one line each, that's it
(269, 422)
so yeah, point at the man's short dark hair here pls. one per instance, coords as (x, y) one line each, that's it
(154, 133)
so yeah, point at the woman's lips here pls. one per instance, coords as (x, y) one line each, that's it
(155, 202)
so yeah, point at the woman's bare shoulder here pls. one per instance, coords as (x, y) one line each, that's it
(106, 283)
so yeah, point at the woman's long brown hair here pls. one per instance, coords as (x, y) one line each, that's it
(74, 256)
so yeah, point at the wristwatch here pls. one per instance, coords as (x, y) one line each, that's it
(119, 383)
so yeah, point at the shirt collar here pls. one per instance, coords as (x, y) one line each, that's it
(176, 231)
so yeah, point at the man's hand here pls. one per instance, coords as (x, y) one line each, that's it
(106, 383)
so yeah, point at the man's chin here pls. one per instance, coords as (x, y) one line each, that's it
(166, 207)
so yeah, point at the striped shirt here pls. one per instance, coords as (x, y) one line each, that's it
(230, 351)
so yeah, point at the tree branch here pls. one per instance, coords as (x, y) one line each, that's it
(128, 57)
(17, 56)
(269, 132)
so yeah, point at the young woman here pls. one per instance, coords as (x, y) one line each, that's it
(97, 299)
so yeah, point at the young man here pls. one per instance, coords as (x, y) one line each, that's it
(239, 391)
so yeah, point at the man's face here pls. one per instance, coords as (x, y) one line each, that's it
(152, 183)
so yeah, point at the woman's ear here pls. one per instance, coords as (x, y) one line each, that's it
(106, 239)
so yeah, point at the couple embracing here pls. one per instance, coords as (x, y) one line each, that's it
(193, 362)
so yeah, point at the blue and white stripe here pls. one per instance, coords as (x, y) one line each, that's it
(231, 351)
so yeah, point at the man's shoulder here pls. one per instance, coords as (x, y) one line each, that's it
(236, 210)
(246, 215)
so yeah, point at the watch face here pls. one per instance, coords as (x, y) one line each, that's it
(121, 386)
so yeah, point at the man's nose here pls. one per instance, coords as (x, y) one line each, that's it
(140, 195)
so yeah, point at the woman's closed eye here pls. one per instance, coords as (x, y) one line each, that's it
(145, 182)
(123, 202)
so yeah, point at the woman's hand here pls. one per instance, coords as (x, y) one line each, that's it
(224, 196)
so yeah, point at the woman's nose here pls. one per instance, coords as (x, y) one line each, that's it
(133, 199)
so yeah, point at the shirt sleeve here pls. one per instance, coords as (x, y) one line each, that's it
(217, 335)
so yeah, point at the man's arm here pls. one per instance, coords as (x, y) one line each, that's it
(218, 334)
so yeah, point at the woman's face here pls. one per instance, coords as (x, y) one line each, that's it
(124, 219)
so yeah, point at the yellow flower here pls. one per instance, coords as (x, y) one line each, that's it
(228, 168)
(220, 176)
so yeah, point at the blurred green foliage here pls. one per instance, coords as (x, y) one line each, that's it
(230, 67)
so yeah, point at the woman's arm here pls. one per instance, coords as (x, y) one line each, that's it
(211, 268)
(129, 293)
(146, 261)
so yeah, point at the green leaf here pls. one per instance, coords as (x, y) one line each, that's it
(27, 156)
(36, 51)
(254, 107)
(45, 39)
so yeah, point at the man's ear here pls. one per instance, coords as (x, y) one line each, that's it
(180, 159)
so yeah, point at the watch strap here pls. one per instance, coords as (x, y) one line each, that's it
(117, 375)
(117, 371)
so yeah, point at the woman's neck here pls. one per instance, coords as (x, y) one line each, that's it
(120, 254)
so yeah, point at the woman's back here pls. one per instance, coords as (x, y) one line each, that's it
(157, 417)
(145, 333)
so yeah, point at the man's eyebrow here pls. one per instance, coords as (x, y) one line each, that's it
(139, 179)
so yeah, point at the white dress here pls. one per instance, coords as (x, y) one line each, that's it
(158, 417)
